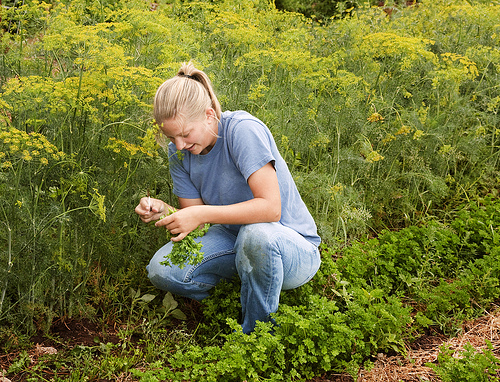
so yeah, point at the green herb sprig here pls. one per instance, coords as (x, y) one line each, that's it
(186, 251)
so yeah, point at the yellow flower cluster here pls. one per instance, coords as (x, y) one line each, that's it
(469, 66)
(375, 117)
(97, 205)
(373, 157)
(18, 145)
(454, 70)
(128, 149)
(150, 140)
(410, 51)
(404, 130)
(388, 138)
(321, 141)
(335, 190)
(257, 91)
(418, 134)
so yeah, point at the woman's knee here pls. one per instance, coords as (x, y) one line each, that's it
(162, 276)
(254, 237)
(253, 246)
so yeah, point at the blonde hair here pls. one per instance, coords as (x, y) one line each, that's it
(188, 95)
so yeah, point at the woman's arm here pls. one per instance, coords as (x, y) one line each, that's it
(264, 207)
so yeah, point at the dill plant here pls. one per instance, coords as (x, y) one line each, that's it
(37, 209)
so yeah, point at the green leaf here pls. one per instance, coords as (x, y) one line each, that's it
(169, 303)
(177, 313)
(148, 297)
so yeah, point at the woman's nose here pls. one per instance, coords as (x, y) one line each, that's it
(179, 143)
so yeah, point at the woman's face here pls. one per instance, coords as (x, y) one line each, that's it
(198, 137)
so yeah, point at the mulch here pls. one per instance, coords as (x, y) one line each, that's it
(413, 366)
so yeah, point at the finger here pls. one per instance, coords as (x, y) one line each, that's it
(174, 230)
(144, 202)
(155, 205)
(164, 222)
(180, 236)
(140, 210)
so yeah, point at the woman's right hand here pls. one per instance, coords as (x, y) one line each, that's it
(151, 209)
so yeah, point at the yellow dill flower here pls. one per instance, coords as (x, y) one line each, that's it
(445, 149)
(6, 164)
(312, 113)
(388, 138)
(117, 145)
(493, 104)
(404, 130)
(26, 155)
(418, 134)
(257, 92)
(14, 148)
(374, 157)
(19, 203)
(336, 189)
(150, 142)
(285, 141)
(97, 205)
(375, 117)
(321, 141)
(44, 161)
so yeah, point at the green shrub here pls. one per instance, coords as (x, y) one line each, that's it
(451, 271)
(470, 365)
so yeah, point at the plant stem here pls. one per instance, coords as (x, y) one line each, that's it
(9, 264)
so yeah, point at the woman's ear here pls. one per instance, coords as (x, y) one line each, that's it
(210, 113)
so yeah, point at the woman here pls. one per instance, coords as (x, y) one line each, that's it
(231, 175)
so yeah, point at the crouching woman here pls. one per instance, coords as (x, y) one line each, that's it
(230, 175)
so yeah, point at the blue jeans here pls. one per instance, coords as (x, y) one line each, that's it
(268, 257)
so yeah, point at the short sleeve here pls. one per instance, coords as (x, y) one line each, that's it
(250, 146)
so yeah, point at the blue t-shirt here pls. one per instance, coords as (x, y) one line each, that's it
(220, 177)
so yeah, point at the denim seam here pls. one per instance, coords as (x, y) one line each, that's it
(273, 264)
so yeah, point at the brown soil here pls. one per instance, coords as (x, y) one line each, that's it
(387, 368)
